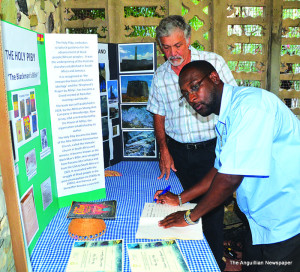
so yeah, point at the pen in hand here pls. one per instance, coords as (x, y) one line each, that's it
(167, 189)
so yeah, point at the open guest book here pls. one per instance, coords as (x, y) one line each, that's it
(152, 213)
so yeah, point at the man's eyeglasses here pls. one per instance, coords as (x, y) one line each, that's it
(194, 88)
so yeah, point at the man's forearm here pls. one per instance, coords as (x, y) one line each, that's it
(222, 186)
(200, 188)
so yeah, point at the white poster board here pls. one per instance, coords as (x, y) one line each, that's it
(73, 84)
(20, 55)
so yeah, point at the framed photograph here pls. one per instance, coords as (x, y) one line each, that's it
(112, 91)
(139, 144)
(104, 108)
(135, 88)
(105, 131)
(116, 131)
(113, 111)
(136, 117)
(102, 77)
(136, 57)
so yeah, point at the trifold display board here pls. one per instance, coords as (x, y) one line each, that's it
(126, 72)
(75, 107)
(52, 85)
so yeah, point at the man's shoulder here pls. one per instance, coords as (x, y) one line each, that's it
(162, 69)
(249, 97)
(204, 55)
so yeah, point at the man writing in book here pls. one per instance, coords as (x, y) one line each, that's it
(186, 140)
(258, 156)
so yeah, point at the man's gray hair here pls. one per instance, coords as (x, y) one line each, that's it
(171, 23)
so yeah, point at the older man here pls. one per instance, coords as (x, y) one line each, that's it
(186, 140)
(257, 154)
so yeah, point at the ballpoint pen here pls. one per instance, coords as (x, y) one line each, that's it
(167, 189)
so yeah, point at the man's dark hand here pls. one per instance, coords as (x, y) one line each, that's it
(173, 220)
(166, 163)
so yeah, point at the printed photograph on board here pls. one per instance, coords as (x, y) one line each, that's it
(135, 88)
(116, 131)
(44, 142)
(30, 163)
(46, 193)
(136, 116)
(113, 111)
(140, 144)
(112, 91)
(136, 57)
(104, 108)
(105, 130)
(102, 78)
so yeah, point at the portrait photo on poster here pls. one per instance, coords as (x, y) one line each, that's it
(30, 163)
(135, 88)
(46, 150)
(136, 57)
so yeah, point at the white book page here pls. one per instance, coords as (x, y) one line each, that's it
(153, 213)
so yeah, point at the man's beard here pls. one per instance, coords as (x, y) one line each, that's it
(170, 59)
(209, 107)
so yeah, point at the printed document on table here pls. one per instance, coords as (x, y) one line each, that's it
(162, 256)
(95, 256)
(152, 213)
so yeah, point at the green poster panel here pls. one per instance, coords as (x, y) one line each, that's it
(29, 109)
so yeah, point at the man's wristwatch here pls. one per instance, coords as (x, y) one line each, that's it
(180, 201)
(188, 220)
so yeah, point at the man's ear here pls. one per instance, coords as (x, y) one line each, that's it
(189, 41)
(214, 76)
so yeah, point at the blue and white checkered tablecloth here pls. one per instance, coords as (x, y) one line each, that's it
(136, 186)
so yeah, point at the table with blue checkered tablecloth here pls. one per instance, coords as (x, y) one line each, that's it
(136, 186)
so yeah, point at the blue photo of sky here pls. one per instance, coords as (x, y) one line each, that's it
(125, 79)
(144, 51)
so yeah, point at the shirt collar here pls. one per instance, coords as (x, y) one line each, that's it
(225, 101)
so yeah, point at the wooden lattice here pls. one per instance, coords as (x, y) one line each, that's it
(245, 47)
(244, 32)
(290, 46)
(83, 17)
(200, 11)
